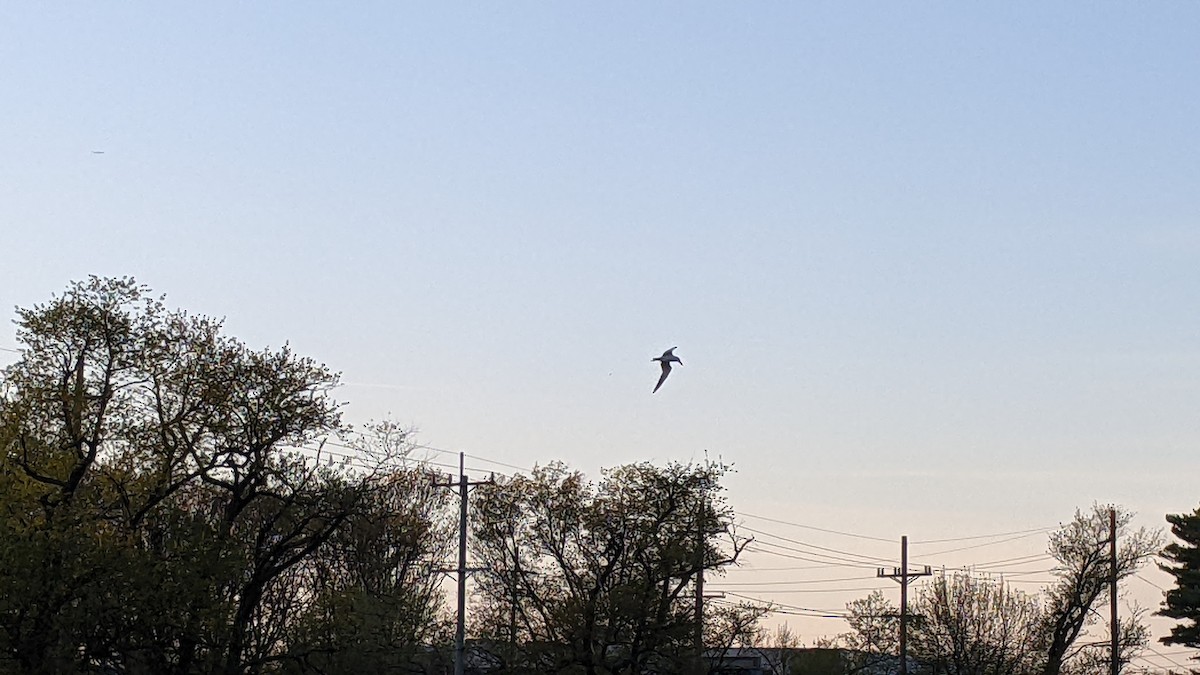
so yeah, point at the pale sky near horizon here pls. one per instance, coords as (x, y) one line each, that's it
(931, 267)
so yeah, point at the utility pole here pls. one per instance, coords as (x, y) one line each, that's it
(512, 609)
(904, 577)
(515, 589)
(1112, 591)
(464, 486)
(698, 637)
(702, 532)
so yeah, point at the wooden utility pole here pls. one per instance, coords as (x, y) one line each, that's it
(512, 609)
(1112, 592)
(698, 636)
(702, 532)
(904, 577)
(464, 486)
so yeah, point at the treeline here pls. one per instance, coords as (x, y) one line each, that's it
(972, 623)
(166, 507)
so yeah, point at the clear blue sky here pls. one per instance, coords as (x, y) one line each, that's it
(931, 267)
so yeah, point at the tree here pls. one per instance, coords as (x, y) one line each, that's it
(1183, 601)
(1084, 569)
(968, 625)
(156, 515)
(594, 578)
(376, 601)
(874, 636)
(729, 627)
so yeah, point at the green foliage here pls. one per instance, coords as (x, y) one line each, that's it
(963, 624)
(152, 516)
(597, 577)
(376, 601)
(1183, 601)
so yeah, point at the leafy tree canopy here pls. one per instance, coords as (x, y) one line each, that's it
(157, 514)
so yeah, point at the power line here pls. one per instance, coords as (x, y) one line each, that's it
(788, 583)
(422, 446)
(795, 591)
(817, 529)
(999, 572)
(499, 463)
(1019, 574)
(1181, 652)
(795, 555)
(361, 463)
(1144, 579)
(746, 567)
(1164, 657)
(864, 558)
(422, 462)
(786, 612)
(432, 448)
(990, 543)
(1017, 561)
(983, 536)
(841, 613)
(755, 549)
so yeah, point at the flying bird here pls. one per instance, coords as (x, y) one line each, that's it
(665, 361)
(97, 152)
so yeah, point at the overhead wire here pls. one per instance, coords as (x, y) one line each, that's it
(981, 536)
(1017, 561)
(840, 614)
(816, 529)
(830, 558)
(724, 584)
(432, 448)
(746, 567)
(421, 446)
(1164, 656)
(755, 549)
(975, 546)
(850, 554)
(771, 608)
(800, 554)
(1182, 652)
(793, 591)
(1147, 581)
(499, 463)
(359, 462)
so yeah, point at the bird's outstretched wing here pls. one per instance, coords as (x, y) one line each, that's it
(666, 368)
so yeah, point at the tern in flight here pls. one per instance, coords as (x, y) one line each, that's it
(665, 361)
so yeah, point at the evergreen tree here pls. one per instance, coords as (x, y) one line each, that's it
(1183, 601)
